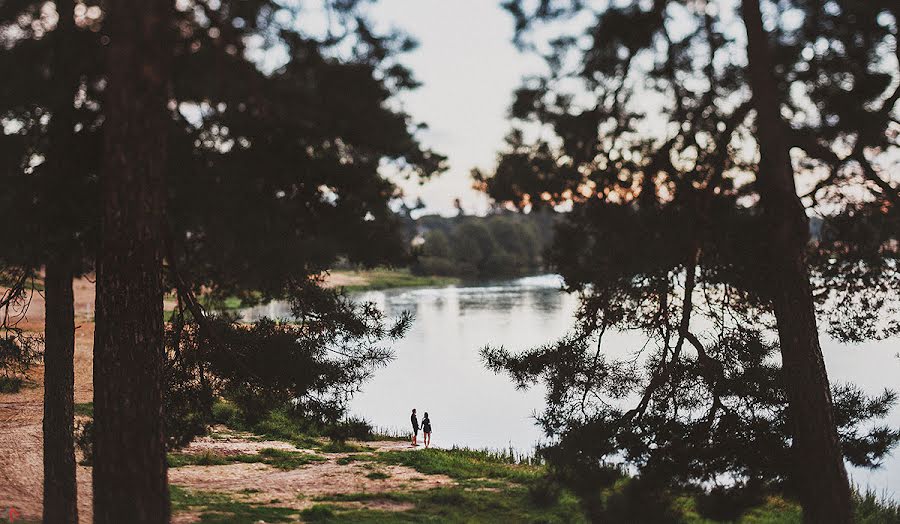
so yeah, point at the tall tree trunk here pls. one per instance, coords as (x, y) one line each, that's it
(60, 487)
(130, 483)
(818, 466)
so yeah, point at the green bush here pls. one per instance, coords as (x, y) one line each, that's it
(318, 513)
(544, 492)
(227, 414)
(351, 428)
(637, 501)
(19, 352)
(728, 503)
(10, 384)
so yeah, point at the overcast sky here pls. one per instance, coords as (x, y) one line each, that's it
(469, 69)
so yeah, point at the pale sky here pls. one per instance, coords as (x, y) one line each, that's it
(469, 69)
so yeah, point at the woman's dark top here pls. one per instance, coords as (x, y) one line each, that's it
(415, 422)
(426, 425)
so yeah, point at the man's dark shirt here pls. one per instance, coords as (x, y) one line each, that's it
(415, 422)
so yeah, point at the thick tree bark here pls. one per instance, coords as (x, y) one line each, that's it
(818, 462)
(60, 487)
(130, 483)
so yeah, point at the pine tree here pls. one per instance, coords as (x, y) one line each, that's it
(679, 232)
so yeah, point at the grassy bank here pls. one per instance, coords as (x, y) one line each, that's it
(350, 281)
(487, 487)
(383, 278)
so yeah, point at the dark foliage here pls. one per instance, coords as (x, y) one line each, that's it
(314, 362)
(19, 350)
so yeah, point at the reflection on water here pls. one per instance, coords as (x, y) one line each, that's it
(438, 369)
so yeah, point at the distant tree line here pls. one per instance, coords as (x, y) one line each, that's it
(505, 244)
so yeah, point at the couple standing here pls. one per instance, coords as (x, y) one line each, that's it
(426, 428)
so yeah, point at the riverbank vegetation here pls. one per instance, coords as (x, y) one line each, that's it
(500, 245)
(386, 278)
(487, 486)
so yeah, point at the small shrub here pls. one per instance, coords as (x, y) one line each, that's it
(351, 428)
(318, 513)
(378, 475)
(282, 424)
(187, 405)
(10, 384)
(84, 441)
(19, 351)
(227, 414)
(728, 503)
(869, 508)
(449, 497)
(544, 492)
(636, 501)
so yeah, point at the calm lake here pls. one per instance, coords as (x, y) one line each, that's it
(438, 368)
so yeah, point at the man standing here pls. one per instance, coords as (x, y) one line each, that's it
(415, 426)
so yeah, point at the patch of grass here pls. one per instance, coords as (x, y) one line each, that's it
(207, 458)
(288, 460)
(84, 409)
(336, 446)
(219, 508)
(378, 475)
(278, 458)
(448, 505)
(365, 497)
(464, 464)
(279, 425)
(383, 278)
(343, 461)
(775, 511)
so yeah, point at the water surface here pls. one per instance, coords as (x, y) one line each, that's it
(438, 368)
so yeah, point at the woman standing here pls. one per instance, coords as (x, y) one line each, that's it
(426, 429)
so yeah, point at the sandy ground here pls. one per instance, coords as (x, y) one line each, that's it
(21, 469)
(21, 445)
(297, 488)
